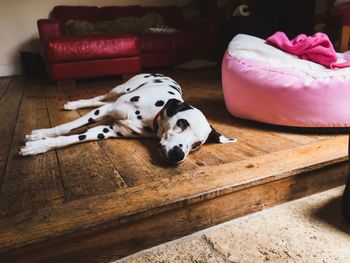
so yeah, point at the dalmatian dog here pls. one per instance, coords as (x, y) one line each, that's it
(147, 105)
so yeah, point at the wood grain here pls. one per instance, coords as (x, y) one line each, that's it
(32, 182)
(86, 170)
(9, 106)
(117, 242)
(4, 85)
(139, 202)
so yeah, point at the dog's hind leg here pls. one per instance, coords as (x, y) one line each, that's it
(127, 87)
(47, 144)
(88, 103)
(62, 129)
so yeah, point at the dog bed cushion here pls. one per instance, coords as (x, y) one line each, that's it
(263, 83)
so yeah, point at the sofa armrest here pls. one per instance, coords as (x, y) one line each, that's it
(48, 28)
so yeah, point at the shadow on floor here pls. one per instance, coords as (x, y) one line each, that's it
(330, 213)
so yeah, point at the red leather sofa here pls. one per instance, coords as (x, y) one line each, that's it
(83, 56)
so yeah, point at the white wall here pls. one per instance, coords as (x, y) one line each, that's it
(18, 29)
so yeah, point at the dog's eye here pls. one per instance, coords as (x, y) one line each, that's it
(196, 145)
(182, 124)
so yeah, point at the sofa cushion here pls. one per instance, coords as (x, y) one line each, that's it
(65, 13)
(77, 48)
(132, 25)
(171, 14)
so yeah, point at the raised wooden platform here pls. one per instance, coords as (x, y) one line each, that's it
(100, 201)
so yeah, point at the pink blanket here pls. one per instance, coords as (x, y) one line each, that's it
(317, 48)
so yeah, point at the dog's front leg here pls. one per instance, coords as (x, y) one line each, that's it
(62, 129)
(47, 144)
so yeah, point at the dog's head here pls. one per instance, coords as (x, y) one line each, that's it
(182, 129)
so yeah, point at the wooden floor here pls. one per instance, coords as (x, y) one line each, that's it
(99, 201)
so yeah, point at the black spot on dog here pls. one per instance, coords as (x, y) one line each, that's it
(100, 136)
(139, 117)
(111, 127)
(91, 120)
(120, 134)
(159, 103)
(81, 137)
(105, 130)
(177, 84)
(174, 106)
(180, 145)
(97, 112)
(148, 129)
(128, 89)
(135, 99)
(154, 75)
(196, 145)
(175, 88)
(182, 123)
(170, 92)
(157, 81)
(137, 112)
(141, 85)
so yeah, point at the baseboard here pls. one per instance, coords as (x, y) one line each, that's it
(9, 69)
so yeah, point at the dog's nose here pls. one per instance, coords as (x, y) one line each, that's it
(176, 155)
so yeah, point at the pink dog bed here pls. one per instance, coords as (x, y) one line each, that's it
(265, 84)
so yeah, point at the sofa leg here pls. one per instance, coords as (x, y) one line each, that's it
(346, 194)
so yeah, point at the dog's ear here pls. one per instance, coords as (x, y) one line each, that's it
(174, 106)
(215, 137)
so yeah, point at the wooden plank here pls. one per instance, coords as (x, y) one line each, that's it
(9, 106)
(169, 193)
(146, 164)
(32, 182)
(117, 242)
(4, 85)
(303, 138)
(86, 170)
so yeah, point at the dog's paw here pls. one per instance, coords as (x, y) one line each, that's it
(40, 134)
(70, 105)
(34, 148)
